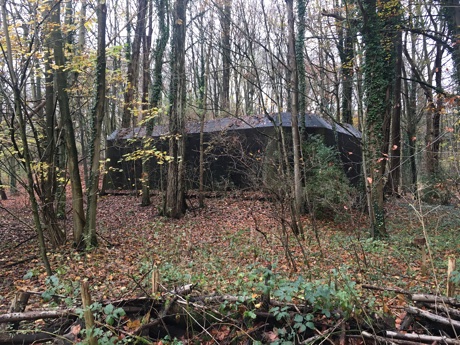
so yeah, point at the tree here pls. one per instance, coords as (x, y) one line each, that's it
(97, 118)
(293, 87)
(132, 80)
(225, 8)
(16, 83)
(174, 204)
(378, 30)
(61, 76)
(157, 87)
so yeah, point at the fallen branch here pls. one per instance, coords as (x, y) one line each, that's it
(422, 338)
(433, 317)
(435, 299)
(452, 313)
(35, 315)
(378, 338)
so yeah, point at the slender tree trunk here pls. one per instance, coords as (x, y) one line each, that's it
(395, 156)
(146, 111)
(69, 133)
(162, 8)
(346, 54)
(175, 191)
(203, 84)
(300, 63)
(297, 183)
(3, 195)
(97, 118)
(225, 22)
(132, 79)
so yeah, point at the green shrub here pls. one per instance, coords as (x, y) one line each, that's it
(329, 193)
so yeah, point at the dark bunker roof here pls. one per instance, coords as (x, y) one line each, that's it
(233, 123)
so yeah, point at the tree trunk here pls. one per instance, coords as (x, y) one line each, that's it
(378, 30)
(3, 195)
(395, 156)
(300, 63)
(293, 87)
(174, 206)
(69, 133)
(97, 118)
(225, 22)
(146, 113)
(451, 13)
(346, 54)
(132, 80)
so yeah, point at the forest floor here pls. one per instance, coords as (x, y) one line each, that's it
(219, 248)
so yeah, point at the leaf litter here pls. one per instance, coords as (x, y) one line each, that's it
(210, 247)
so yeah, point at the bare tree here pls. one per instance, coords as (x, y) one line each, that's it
(174, 204)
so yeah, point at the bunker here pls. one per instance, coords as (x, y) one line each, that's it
(238, 152)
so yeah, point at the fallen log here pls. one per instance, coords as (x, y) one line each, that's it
(422, 338)
(435, 299)
(433, 317)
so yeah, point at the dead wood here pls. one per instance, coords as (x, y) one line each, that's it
(87, 313)
(35, 315)
(435, 299)
(433, 317)
(158, 320)
(378, 338)
(20, 339)
(422, 338)
(450, 312)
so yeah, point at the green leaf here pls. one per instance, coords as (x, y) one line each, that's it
(119, 312)
(109, 320)
(298, 318)
(108, 309)
(250, 314)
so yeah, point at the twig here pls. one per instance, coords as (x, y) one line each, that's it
(25, 241)
(33, 257)
(378, 338)
(321, 335)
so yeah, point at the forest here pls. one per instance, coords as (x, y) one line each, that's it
(291, 172)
